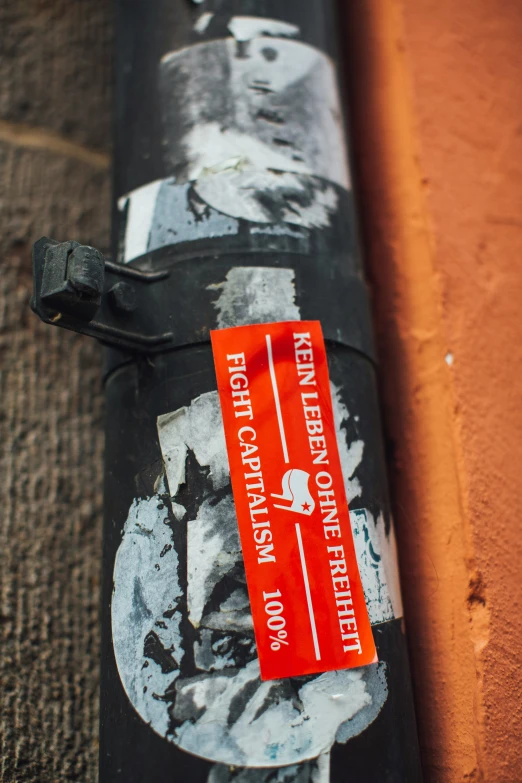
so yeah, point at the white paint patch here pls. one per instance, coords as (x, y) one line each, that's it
(139, 219)
(449, 358)
(233, 615)
(254, 295)
(315, 771)
(220, 150)
(283, 112)
(321, 774)
(203, 22)
(213, 549)
(164, 213)
(376, 551)
(270, 729)
(281, 733)
(146, 585)
(198, 428)
(244, 28)
(229, 621)
(377, 560)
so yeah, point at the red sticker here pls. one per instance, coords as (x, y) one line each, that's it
(303, 581)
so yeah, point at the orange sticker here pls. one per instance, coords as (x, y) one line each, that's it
(303, 581)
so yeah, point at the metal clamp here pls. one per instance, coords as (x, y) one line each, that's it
(77, 288)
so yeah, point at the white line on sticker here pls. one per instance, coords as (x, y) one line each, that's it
(276, 398)
(307, 589)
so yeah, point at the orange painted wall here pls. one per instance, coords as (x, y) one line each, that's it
(436, 96)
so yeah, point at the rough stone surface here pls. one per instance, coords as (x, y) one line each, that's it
(54, 67)
(55, 82)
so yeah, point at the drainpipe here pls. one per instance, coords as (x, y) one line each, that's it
(233, 206)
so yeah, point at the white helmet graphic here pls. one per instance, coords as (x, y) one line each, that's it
(296, 493)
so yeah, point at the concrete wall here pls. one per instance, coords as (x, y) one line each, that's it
(437, 118)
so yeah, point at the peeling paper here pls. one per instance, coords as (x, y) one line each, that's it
(164, 213)
(315, 771)
(215, 535)
(218, 674)
(284, 113)
(303, 718)
(244, 28)
(294, 774)
(276, 112)
(377, 558)
(139, 219)
(243, 191)
(146, 585)
(203, 22)
(270, 154)
(321, 773)
(351, 454)
(376, 551)
(377, 685)
(296, 732)
(198, 427)
(278, 230)
(254, 295)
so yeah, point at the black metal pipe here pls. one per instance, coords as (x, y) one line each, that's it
(231, 176)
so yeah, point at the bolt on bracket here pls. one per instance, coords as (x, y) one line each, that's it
(76, 288)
